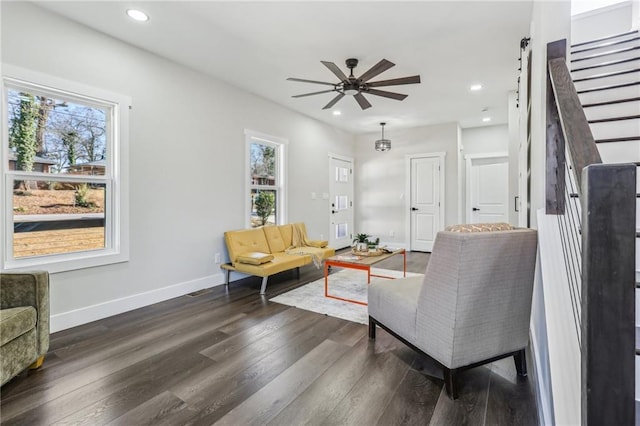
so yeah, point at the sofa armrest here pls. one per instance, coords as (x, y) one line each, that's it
(318, 243)
(28, 289)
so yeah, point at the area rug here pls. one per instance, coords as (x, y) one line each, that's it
(347, 283)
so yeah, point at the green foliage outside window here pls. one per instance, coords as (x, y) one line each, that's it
(23, 133)
(265, 203)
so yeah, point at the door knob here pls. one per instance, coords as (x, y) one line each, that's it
(414, 209)
(475, 209)
(334, 211)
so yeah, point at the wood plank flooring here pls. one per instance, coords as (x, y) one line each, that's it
(231, 357)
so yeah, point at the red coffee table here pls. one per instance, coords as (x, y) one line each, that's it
(363, 263)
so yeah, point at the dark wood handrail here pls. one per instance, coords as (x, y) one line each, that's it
(575, 128)
(607, 194)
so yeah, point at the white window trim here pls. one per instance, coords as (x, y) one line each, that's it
(280, 144)
(117, 241)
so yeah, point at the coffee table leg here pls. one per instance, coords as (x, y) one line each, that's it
(326, 279)
(404, 254)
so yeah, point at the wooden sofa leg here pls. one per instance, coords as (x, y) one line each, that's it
(372, 329)
(263, 289)
(450, 382)
(37, 363)
(521, 362)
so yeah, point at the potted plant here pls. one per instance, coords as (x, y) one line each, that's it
(373, 245)
(362, 242)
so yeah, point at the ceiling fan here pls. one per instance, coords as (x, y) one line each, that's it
(357, 87)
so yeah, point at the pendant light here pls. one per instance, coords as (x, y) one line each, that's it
(383, 144)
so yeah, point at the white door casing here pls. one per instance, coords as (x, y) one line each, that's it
(426, 199)
(340, 201)
(487, 188)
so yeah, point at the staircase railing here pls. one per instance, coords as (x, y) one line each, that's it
(598, 239)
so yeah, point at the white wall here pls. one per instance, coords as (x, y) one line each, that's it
(514, 163)
(187, 162)
(486, 139)
(610, 20)
(550, 22)
(381, 178)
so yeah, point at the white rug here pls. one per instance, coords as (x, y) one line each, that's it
(347, 283)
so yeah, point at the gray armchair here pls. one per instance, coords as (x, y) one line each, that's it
(24, 322)
(473, 305)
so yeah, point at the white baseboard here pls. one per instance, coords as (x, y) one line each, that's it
(91, 313)
(543, 399)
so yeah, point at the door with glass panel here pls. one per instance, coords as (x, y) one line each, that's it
(340, 201)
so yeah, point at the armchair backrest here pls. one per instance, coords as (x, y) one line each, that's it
(475, 302)
(28, 289)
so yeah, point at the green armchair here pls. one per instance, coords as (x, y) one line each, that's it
(24, 322)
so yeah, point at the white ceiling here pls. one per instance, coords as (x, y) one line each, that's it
(257, 45)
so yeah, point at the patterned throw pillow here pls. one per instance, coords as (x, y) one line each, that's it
(480, 227)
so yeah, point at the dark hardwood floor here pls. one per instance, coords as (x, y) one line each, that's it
(232, 357)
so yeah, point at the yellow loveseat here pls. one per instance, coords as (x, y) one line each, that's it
(268, 250)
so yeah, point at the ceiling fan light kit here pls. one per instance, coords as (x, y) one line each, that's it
(383, 144)
(357, 87)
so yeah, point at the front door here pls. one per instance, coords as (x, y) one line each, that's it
(425, 215)
(340, 201)
(488, 190)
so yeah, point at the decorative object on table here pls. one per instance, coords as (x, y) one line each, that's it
(361, 242)
(373, 245)
(383, 144)
(367, 253)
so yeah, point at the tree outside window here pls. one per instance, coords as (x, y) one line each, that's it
(265, 182)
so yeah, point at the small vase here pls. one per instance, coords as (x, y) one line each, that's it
(362, 247)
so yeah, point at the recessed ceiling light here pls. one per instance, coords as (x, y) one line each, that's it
(486, 119)
(137, 15)
(336, 112)
(475, 87)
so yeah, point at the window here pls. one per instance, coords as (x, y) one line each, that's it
(63, 156)
(265, 174)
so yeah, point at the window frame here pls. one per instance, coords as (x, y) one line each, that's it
(280, 144)
(116, 215)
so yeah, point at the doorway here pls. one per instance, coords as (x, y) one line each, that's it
(426, 199)
(341, 201)
(487, 188)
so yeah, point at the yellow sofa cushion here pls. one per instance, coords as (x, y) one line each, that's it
(274, 238)
(254, 258)
(281, 262)
(287, 235)
(245, 241)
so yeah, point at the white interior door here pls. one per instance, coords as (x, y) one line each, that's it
(340, 202)
(488, 189)
(425, 199)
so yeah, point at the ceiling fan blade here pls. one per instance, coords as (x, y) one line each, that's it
(392, 95)
(334, 101)
(414, 79)
(313, 93)
(310, 81)
(378, 68)
(334, 69)
(362, 101)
